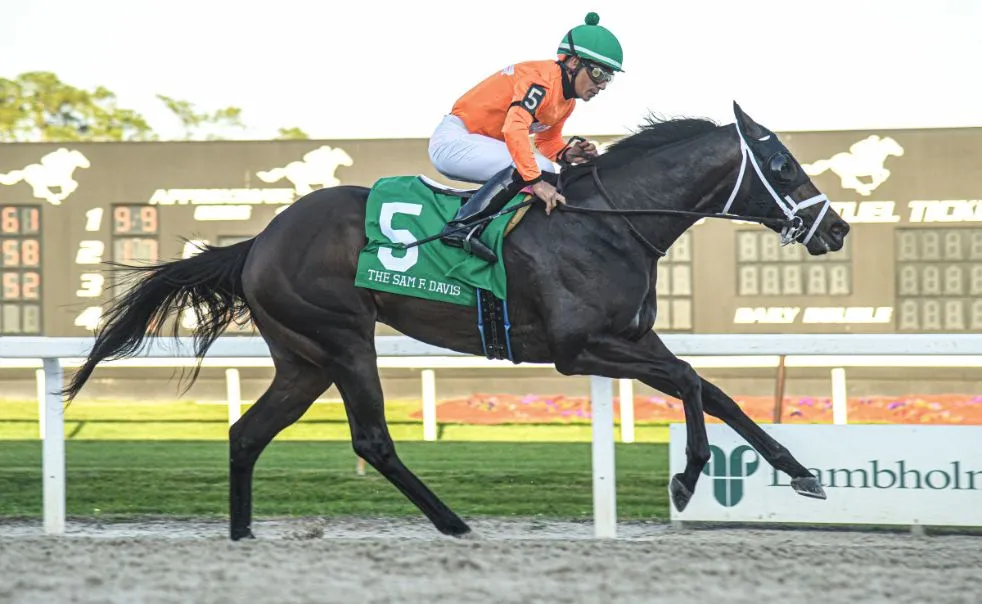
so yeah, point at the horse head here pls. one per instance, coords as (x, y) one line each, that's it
(327, 157)
(65, 160)
(888, 146)
(341, 157)
(782, 189)
(79, 160)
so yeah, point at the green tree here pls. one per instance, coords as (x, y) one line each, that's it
(292, 134)
(209, 126)
(38, 106)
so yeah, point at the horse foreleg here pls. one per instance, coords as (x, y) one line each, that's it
(358, 381)
(293, 390)
(648, 360)
(718, 404)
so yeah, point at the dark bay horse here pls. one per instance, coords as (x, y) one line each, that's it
(581, 295)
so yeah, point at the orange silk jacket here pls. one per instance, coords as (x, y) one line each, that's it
(534, 97)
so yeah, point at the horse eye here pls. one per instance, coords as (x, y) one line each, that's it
(782, 167)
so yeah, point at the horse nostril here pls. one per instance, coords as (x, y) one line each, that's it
(839, 229)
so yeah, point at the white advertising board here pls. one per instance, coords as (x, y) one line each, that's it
(872, 474)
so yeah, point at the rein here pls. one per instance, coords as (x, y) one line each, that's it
(787, 226)
(791, 226)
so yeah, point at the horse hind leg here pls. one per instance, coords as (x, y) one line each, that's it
(357, 379)
(296, 385)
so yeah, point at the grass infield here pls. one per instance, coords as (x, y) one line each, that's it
(126, 460)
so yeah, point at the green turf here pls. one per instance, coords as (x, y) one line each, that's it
(118, 478)
(171, 459)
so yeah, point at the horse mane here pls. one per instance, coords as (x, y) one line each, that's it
(659, 132)
(656, 133)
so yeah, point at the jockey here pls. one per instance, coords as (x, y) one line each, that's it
(485, 138)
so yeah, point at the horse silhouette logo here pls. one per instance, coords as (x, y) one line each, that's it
(865, 158)
(317, 168)
(53, 171)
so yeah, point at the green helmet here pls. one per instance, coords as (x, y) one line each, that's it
(593, 43)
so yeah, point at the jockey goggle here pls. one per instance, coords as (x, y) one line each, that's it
(598, 74)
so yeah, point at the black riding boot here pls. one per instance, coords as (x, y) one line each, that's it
(490, 198)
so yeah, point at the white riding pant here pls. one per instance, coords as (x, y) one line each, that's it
(461, 155)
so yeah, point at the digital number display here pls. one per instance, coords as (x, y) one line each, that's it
(21, 285)
(135, 230)
(765, 268)
(674, 286)
(20, 220)
(20, 252)
(135, 220)
(20, 318)
(135, 242)
(939, 279)
(138, 250)
(20, 270)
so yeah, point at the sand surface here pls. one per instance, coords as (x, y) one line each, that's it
(368, 560)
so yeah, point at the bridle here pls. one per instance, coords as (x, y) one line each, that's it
(788, 206)
(791, 226)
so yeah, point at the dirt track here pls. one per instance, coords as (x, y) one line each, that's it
(374, 561)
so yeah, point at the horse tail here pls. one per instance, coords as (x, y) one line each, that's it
(817, 167)
(272, 175)
(210, 283)
(11, 178)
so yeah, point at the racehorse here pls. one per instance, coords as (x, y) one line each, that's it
(581, 295)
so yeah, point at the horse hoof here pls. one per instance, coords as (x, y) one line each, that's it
(245, 533)
(808, 486)
(679, 494)
(458, 528)
(460, 533)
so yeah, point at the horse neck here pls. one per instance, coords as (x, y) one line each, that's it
(695, 175)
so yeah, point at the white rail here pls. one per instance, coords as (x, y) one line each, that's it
(760, 350)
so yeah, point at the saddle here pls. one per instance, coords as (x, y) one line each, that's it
(465, 194)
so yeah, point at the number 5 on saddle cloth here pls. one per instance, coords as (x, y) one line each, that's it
(404, 218)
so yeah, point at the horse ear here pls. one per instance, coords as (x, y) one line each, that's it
(748, 126)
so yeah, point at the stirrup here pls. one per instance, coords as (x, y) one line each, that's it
(470, 241)
(474, 245)
(485, 202)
